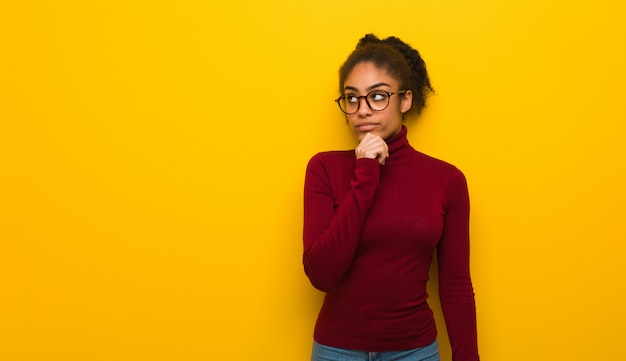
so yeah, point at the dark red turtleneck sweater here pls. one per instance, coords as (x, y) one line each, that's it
(370, 232)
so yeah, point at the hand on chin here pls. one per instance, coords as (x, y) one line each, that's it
(361, 130)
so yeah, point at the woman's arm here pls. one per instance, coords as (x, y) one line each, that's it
(331, 232)
(455, 284)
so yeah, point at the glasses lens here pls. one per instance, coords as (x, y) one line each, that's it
(349, 103)
(378, 100)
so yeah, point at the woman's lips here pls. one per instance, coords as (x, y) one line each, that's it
(366, 127)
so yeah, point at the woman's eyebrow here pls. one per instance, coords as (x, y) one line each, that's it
(372, 87)
(378, 85)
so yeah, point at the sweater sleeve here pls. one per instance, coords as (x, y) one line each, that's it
(331, 231)
(455, 285)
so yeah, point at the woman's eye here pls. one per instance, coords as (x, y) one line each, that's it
(352, 99)
(378, 96)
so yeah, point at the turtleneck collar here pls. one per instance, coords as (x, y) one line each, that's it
(399, 148)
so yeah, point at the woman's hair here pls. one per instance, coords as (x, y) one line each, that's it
(398, 59)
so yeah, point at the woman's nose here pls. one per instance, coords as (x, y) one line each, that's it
(364, 107)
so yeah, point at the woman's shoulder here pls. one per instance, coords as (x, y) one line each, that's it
(333, 156)
(439, 165)
(332, 162)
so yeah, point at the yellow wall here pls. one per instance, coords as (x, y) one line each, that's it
(152, 157)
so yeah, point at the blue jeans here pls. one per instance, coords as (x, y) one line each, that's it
(327, 353)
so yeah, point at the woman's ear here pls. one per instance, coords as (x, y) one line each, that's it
(406, 102)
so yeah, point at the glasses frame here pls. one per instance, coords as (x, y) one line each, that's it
(359, 97)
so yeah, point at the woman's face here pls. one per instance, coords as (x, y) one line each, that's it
(364, 78)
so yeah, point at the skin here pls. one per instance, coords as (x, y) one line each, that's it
(371, 128)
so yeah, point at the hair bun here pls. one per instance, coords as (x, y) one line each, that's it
(420, 78)
(368, 39)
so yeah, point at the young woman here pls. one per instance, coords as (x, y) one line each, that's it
(374, 216)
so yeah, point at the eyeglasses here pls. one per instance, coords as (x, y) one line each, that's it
(377, 100)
